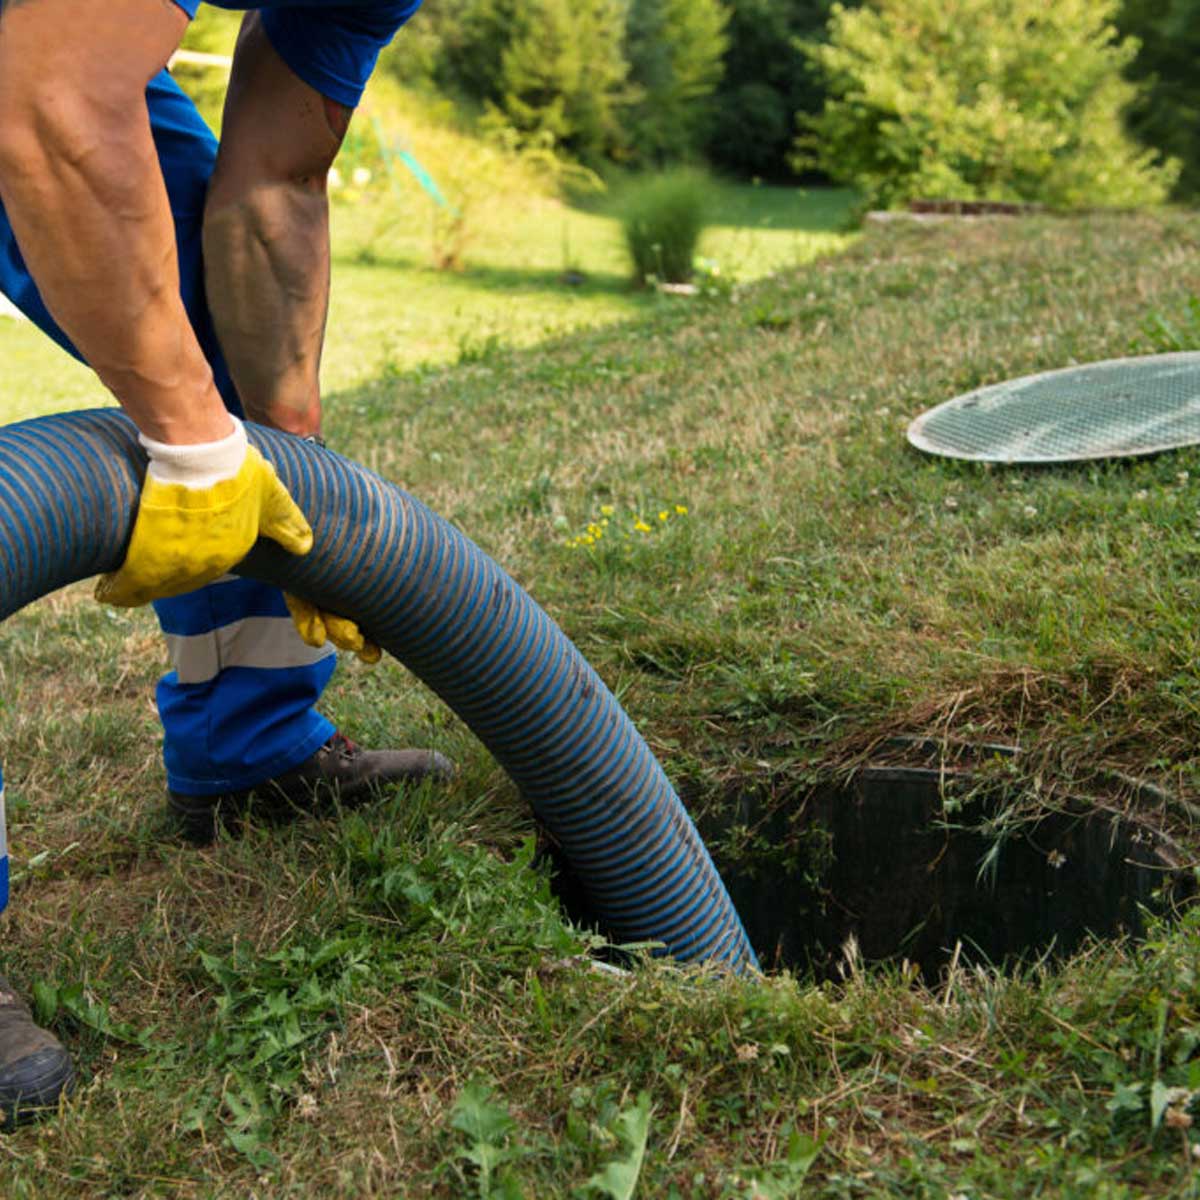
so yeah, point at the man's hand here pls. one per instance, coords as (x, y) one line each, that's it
(202, 509)
(317, 627)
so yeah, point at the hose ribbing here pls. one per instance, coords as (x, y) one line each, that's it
(68, 494)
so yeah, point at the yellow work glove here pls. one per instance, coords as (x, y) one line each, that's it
(316, 626)
(202, 508)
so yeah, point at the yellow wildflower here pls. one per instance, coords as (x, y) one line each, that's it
(607, 510)
(681, 509)
(641, 526)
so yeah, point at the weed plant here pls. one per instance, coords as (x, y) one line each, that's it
(1170, 333)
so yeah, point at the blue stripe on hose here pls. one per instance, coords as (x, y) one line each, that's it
(624, 893)
(499, 663)
(25, 549)
(613, 854)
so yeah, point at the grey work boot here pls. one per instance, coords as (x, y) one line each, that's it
(35, 1070)
(339, 773)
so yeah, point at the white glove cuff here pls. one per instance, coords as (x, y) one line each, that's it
(200, 465)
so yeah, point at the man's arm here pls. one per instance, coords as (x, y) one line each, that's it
(82, 186)
(84, 191)
(266, 233)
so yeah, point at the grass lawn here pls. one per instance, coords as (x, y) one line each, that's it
(390, 310)
(389, 1003)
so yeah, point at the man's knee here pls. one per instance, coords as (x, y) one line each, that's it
(277, 128)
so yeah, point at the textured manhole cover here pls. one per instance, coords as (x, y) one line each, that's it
(1125, 406)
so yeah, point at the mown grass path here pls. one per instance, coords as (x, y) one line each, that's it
(389, 1004)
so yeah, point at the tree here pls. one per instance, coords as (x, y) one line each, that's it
(472, 36)
(1015, 100)
(1166, 113)
(548, 69)
(562, 71)
(674, 49)
(595, 108)
(768, 79)
(540, 69)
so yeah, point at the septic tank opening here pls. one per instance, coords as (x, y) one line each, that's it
(927, 865)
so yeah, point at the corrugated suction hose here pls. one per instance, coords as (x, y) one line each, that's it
(68, 493)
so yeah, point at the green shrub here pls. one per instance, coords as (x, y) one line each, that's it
(662, 217)
(1014, 100)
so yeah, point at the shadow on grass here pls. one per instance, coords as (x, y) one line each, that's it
(557, 280)
(522, 280)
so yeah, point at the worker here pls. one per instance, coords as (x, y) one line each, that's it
(194, 279)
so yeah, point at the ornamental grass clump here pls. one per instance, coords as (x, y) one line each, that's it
(662, 217)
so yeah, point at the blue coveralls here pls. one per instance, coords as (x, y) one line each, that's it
(238, 707)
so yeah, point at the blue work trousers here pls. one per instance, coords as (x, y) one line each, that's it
(237, 708)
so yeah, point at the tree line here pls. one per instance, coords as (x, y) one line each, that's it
(640, 83)
(1075, 101)
(747, 85)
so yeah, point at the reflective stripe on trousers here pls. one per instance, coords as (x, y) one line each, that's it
(238, 707)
